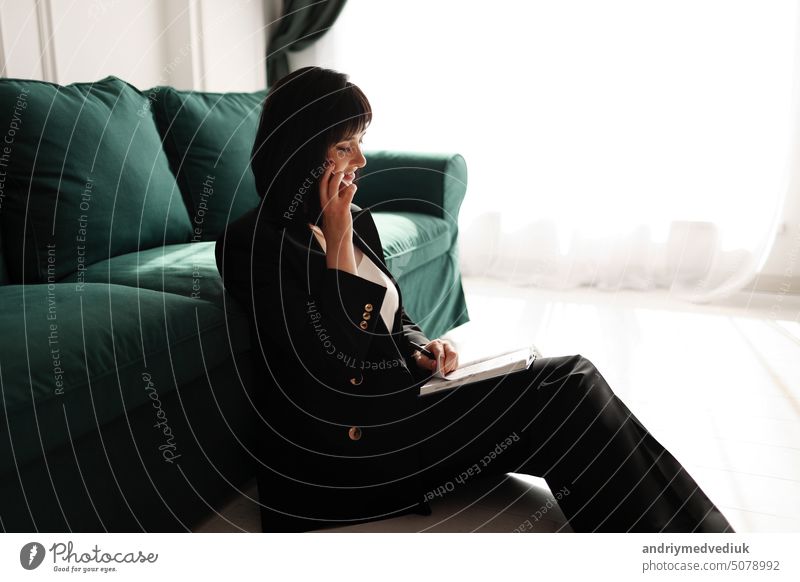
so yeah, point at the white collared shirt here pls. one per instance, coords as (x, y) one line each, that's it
(367, 269)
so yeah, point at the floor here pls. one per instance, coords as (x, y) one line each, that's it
(724, 400)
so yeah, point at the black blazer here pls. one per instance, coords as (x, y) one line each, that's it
(338, 391)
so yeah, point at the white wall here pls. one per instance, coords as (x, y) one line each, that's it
(212, 45)
(781, 270)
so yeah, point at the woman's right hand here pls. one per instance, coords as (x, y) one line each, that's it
(337, 222)
(335, 203)
(446, 356)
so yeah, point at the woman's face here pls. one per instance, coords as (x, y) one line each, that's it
(348, 157)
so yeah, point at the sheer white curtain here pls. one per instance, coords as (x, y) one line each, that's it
(621, 144)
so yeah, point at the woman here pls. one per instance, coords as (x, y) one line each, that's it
(346, 436)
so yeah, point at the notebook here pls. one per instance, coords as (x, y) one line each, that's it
(482, 368)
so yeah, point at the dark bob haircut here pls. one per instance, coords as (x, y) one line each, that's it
(304, 113)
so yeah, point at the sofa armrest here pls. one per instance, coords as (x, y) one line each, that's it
(429, 183)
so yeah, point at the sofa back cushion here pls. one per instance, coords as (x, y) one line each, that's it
(209, 139)
(87, 178)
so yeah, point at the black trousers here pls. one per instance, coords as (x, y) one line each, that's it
(560, 420)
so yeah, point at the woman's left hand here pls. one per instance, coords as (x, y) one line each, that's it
(444, 352)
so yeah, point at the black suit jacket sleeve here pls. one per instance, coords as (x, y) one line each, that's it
(322, 318)
(327, 326)
(411, 331)
(322, 330)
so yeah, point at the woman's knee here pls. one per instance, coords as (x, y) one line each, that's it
(578, 379)
(594, 390)
(585, 366)
(564, 367)
(567, 376)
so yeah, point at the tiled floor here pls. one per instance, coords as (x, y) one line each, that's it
(719, 386)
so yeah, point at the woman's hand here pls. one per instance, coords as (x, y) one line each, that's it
(444, 352)
(335, 203)
(337, 222)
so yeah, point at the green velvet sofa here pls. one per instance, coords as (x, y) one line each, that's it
(126, 382)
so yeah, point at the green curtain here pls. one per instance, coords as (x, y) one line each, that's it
(301, 23)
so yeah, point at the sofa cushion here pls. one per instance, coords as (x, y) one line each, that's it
(187, 269)
(209, 138)
(87, 178)
(410, 239)
(91, 354)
